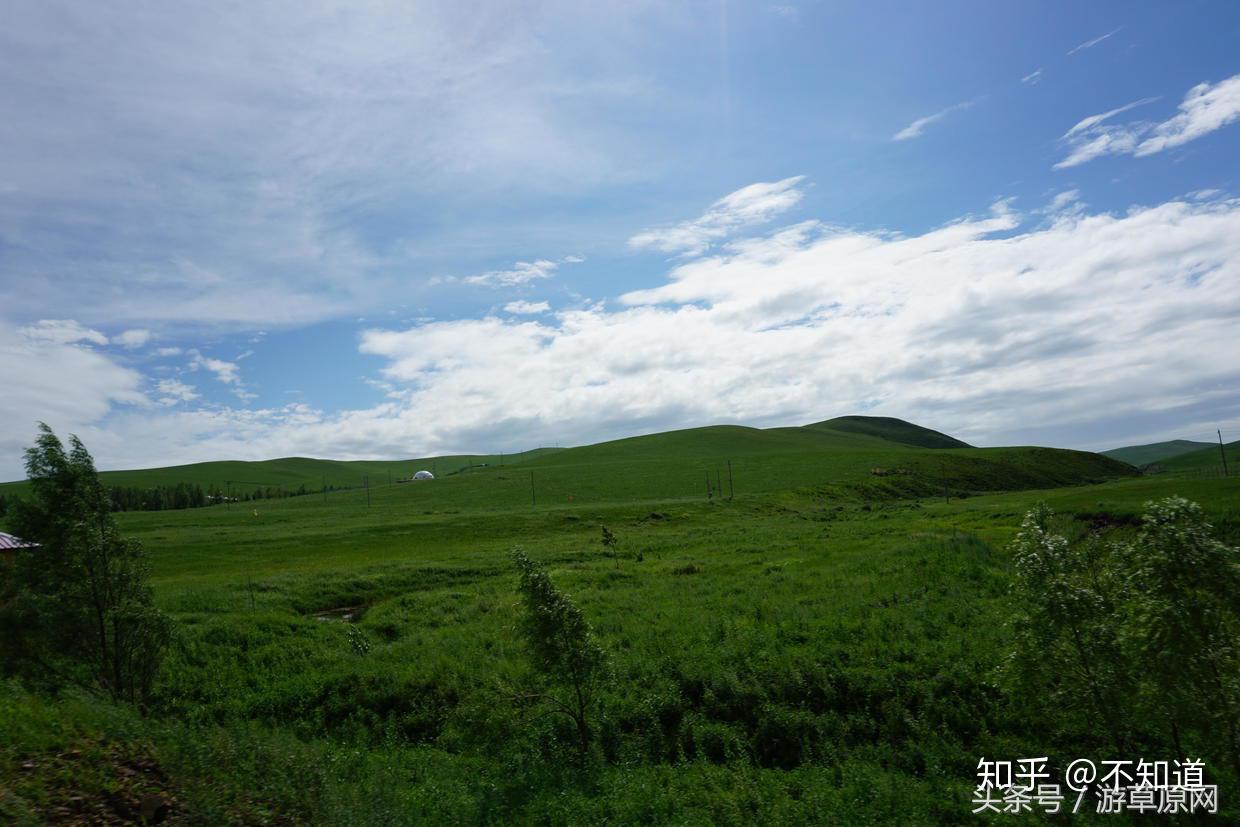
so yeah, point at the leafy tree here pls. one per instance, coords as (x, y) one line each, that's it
(1068, 659)
(1139, 635)
(78, 607)
(1182, 622)
(561, 644)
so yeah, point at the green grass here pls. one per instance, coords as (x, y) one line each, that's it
(819, 649)
(1206, 461)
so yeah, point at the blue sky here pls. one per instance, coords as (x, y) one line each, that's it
(391, 229)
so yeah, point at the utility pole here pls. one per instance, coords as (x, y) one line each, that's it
(533, 496)
(1222, 452)
(731, 490)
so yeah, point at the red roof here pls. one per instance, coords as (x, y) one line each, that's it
(8, 541)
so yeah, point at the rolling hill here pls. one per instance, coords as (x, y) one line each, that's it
(890, 429)
(867, 456)
(1140, 455)
(1206, 460)
(290, 472)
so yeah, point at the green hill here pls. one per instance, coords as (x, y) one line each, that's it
(892, 430)
(870, 456)
(1140, 455)
(1206, 460)
(291, 472)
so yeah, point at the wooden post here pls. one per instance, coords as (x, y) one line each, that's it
(533, 496)
(1222, 452)
(718, 482)
(731, 490)
(708, 491)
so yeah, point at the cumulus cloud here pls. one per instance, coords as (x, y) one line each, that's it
(1205, 108)
(226, 372)
(524, 308)
(132, 338)
(63, 332)
(917, 127)
(747, 207)
(976, 326)
(1089, 44)
(48, 378)
(999, 328)
(173, 391)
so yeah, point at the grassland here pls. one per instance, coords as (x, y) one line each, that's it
(820, 648)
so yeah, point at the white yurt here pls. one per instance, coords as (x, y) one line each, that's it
(424, 475)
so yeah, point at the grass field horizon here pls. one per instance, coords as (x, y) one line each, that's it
(815, 642)
(879, 438)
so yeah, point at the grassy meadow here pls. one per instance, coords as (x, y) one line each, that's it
(821, 647)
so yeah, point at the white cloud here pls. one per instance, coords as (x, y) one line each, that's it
(1087, 125)
(917, 127)
(173, 391)
(132, 338)
(521, 308)
(226, 372)
(748, 206)
(169, 166)
(1089, 44)
(1033, 77)
(168, 351)
(993, 330)
(63, 332)
(1204, 109)
(523, 272)
(66, 385)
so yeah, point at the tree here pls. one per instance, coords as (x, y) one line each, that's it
(1067, 656)
(562, 646)
(1182, 622)
(1139, 635)
(79, 608)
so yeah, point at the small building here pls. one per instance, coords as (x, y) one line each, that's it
(9, 546)
(424, 475)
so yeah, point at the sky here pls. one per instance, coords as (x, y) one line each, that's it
(383, 230)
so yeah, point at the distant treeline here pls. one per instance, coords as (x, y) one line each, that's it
(186, 495)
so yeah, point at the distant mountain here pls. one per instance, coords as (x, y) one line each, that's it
(1206, 458)
(892, 430)
(1140, 455)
